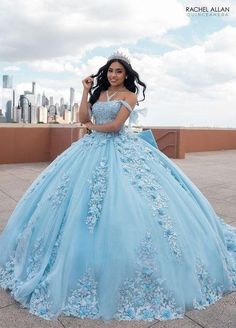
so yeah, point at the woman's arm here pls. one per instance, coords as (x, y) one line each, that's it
(115, 125)
(84, 104)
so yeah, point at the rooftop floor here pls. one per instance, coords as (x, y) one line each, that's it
(215, 175)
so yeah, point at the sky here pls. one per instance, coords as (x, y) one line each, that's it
(187, 61)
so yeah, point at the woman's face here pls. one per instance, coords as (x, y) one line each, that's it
(116, 74)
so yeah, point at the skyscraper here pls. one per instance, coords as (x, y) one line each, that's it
(42, 114)
(62, 107)
(33, 88)
(50, 101)
(75, 110)
(7, 98)
(72, 97)
(26, 110)
(44, 100)
(62, 101)
(38, 102)
(7, 82)
(29, 106)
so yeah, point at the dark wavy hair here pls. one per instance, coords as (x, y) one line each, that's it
(132, 81)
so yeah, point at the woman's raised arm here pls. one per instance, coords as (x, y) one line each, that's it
(84, 104)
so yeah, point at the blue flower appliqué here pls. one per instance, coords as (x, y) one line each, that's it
(7, 274)
(41, 302)
(143, 179)
(145, 296)
(98, 190)
(57, 197)
(83, 300)
(210, 290)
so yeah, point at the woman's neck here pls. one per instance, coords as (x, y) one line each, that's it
(114, 89)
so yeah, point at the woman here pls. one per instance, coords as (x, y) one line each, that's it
(113, 229)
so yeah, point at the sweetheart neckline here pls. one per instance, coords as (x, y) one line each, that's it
(103, 101)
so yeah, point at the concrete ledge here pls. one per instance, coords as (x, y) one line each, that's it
(28, 143)
(175, 142)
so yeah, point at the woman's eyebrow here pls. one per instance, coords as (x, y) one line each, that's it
(115, 69)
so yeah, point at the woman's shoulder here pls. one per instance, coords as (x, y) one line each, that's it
(129, 95)
(131, 98)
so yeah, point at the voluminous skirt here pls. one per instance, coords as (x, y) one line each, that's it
(113, 229)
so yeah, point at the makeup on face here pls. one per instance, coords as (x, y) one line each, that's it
(116, 73)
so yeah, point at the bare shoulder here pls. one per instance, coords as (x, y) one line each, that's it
(131, 98)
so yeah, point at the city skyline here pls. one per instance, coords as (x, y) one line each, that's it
(32, 108)
(186, 59)
(8, 83)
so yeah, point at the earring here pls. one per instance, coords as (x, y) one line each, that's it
(126, 77)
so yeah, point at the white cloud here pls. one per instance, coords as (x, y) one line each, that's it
(193, 68)
(186, 86)
(222, 41)
(45, 29)
(189, 86)
(11, 68)
(55, 66)
(194, 85)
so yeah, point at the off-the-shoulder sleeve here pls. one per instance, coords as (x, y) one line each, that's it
(127, 105)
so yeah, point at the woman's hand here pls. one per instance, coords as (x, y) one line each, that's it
(89, 125)
(87, 83)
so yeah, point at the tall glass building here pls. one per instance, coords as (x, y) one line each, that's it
(7, 98)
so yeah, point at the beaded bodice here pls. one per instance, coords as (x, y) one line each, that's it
(105, 111)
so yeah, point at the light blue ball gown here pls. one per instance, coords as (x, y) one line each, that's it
(113, 229)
